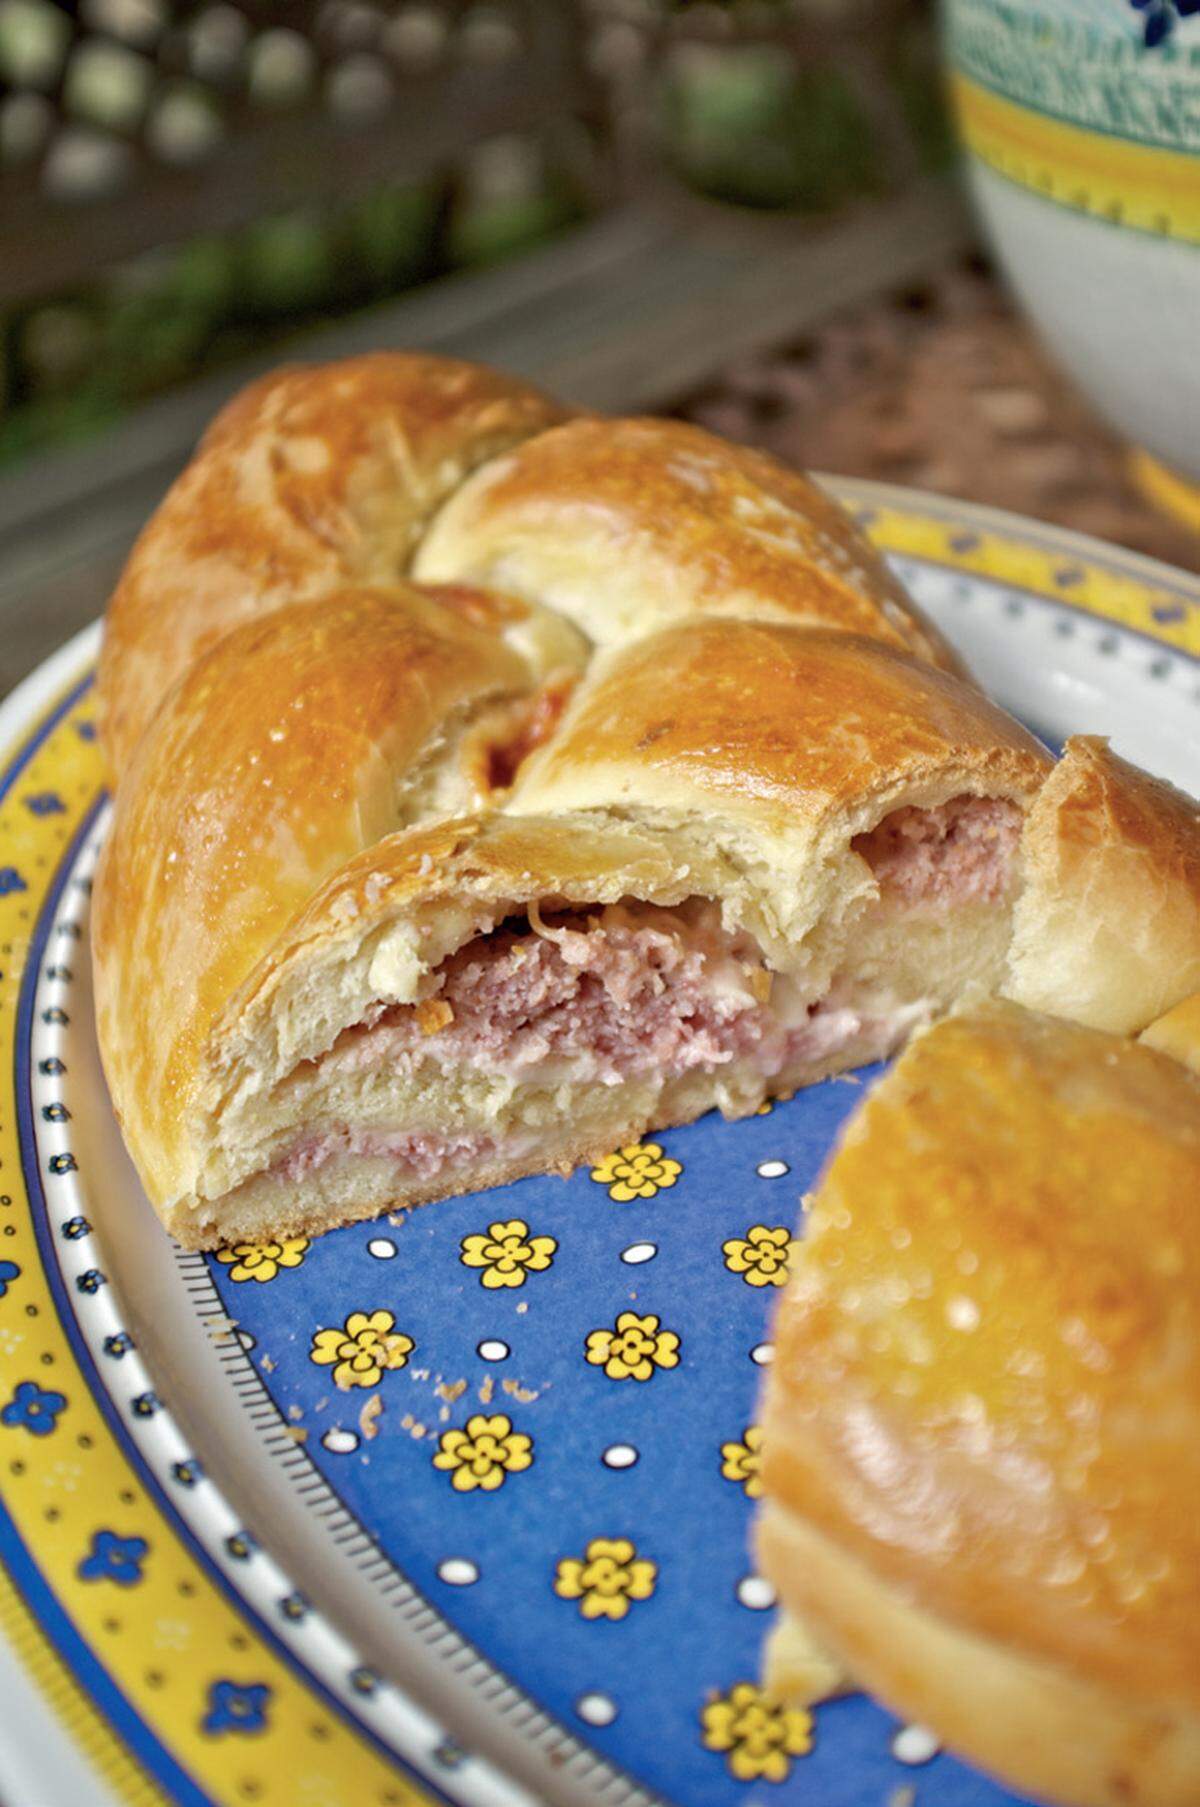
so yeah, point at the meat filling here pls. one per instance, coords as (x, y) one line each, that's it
(959, 852)
(636, 989)
(421, 1156)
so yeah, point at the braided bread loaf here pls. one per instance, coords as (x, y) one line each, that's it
(982, 1428)
(493, 785)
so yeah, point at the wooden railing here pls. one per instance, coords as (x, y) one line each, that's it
(642, 302)
(131, 124)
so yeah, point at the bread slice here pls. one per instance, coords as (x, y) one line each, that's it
(982, 1426)
(1108, 927)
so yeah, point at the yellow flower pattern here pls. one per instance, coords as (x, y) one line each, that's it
(360, 1351)
(483, 1453)
(634, 1348)
(262, 1260)
(742, 1461)
(763, 1256)
(609, 1575)
(758, 1733)
(507, 1252)
(638, 1170)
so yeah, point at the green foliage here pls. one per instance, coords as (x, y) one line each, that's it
(55, 420)
(742, 123)
(391, 233)
(487, 233)
(286, 265)
(746, 125)
(917, 79)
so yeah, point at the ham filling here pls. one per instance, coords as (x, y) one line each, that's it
(626, 990)
(637, 989)
(961, 852)
(421, 1156)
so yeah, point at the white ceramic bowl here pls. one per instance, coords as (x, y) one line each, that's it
(1083, 146)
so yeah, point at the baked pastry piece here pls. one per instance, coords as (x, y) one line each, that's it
(330, 978)
(495, 786)
(982, 1425)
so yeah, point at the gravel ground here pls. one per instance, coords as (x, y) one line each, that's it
(944, 388)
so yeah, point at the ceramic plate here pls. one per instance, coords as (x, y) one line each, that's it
(242, 1564)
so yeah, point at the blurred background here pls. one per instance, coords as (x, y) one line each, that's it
(749, 213)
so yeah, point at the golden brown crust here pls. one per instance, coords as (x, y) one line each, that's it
(625, 525)
(986, 1387)
(313, 477)
(1108, 927)
(773, 725)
